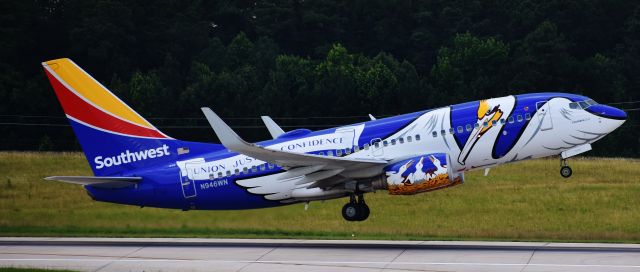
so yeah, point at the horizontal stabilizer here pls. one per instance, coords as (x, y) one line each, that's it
(102, 182)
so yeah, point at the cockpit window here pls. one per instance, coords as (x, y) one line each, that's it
(574, 106)
(582, 104)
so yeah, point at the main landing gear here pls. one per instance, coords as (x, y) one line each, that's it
(355, 210)
(565, 170)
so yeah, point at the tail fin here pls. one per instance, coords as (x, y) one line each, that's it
(113, 136)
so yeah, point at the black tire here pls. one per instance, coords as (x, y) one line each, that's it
(364, 212)
(566, 171)
(351, 212)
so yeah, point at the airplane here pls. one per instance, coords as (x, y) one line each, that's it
(135, 163)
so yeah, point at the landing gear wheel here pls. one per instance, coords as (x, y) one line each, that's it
(351, 212)
(566, 171)
(364, 209)
(356, 210)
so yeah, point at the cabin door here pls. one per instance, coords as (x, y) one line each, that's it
(544, 115)
(187, 182)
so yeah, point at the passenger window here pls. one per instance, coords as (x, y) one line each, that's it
(511, 120)
(385, 143)
(442, 132)
(452, 131)
(494, 122)
(254, 168)
(485, 124)
(329, 153)
(347, 151)
(219, 174)
(435, 134)
(469, 128)
(356, 148)
(245, 170)
(460, 129)
(321, 153)
(393, 141)
(271, 166)
(228, 173)
(401, 140)
(263, 167)
(366, 146)
(377, 144)
(409, 139)
(527, 116)
(519, 118)
(417, 137)
(339, 152)
(476, 126)
(502, 121)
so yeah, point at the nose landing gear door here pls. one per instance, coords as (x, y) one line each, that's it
(544, 115)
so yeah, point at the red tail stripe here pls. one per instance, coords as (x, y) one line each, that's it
(85, 112)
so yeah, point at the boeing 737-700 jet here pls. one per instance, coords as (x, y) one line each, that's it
(134, 163)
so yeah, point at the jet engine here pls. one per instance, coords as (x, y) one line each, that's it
(418, 174)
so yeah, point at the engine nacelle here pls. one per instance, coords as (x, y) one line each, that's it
(420, 174)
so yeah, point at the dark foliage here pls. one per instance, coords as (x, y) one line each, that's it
(338, 60)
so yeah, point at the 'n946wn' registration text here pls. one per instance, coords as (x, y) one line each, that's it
(213, 184)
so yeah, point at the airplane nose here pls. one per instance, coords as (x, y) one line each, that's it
(608, 112)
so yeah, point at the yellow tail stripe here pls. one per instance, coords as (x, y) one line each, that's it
(91, 90)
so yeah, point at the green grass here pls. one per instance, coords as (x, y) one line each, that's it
(526, 201)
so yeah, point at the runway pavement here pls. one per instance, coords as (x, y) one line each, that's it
(167, 254)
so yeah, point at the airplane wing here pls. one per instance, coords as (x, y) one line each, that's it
(102, 182)
(273, 128)
(233, 142)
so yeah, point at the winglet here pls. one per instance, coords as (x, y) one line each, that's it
(371, 117)
(273, 128)
(227, 136)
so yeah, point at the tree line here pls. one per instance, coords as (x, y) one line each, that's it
(312, 64)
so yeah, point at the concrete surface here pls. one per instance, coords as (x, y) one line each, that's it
(169, 254)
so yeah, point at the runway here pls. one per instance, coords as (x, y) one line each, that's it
(168, 254)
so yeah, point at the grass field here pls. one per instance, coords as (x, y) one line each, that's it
(526, 201)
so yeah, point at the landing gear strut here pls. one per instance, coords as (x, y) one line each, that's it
(355, 210)
(565, 170)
